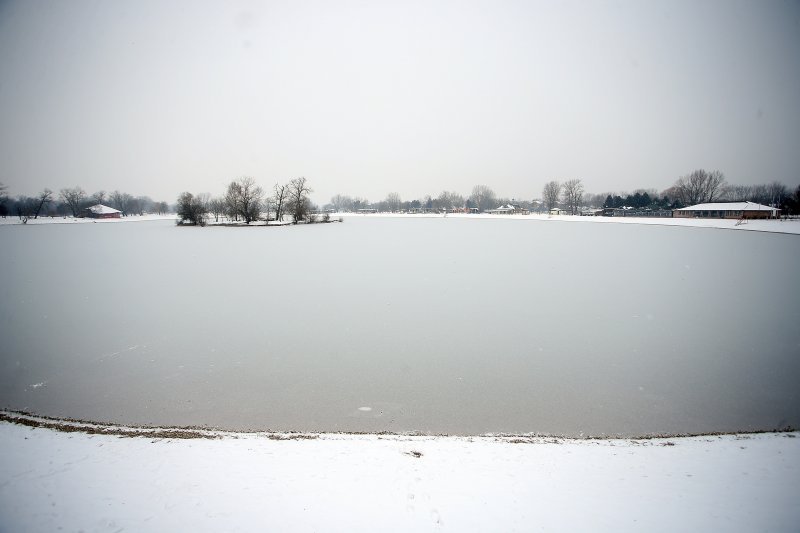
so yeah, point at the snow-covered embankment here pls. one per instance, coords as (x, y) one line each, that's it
(95, 482)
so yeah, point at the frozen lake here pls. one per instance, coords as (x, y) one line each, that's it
(436, 325)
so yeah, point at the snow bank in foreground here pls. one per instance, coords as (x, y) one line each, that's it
(771, 226)
(253, 482)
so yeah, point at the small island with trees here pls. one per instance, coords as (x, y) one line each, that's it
(245, 203)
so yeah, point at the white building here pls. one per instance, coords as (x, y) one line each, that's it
(509, 209)
(728, 210)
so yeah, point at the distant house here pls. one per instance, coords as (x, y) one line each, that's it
(367, 211)
(100, 211)
(557, 211)
(509, 209)
(728, 210)
(461, 210)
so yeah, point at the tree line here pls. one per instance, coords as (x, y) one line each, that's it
(73, 201)
(481, 198)
(700, 186)
(246, 201)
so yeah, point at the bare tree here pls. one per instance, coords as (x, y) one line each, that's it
(204, 200)
(597, 200)
(449, 200)
(139, 205)
(715, 180)
(191, 209)
(121, 201)
(216, 206)
(393, 201)
(298, 199)
(25, 207)
(143, 204)
(243, 199)
(281, 193)
(117, 199)
(550, 194)
(267, 207)
(483, 197)
(573, 195)
(699, 187)
(342, 203)
(777, 193)
(99, 197)
(160, 208)
(359, 203)
(74, 199)
(44, 198)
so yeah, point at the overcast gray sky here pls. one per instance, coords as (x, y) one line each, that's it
(366, 98)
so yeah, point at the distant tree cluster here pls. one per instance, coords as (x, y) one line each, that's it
(699, 186)
(550, 194)
(638, 200)
(482, 198)
(245, 201)
(775, 194)
(72, 201)
(192, 209)
(702, 186)
(343, 203)
(705, 187)
(573, 196)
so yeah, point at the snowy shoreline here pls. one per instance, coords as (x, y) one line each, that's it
(790, 226)
(42, 221)
(52, 479)
(72, 425)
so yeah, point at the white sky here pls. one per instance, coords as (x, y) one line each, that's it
(366, 98)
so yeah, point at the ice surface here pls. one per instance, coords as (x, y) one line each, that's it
(454, 325)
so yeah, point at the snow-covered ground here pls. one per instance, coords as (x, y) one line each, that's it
(71, 220)
(50, 480)
(773, 226)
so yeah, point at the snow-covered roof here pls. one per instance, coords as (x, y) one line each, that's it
(729, 206)
(100, 209)
(507, 207)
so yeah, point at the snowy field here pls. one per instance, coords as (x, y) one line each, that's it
(254, 482)
(426, 325)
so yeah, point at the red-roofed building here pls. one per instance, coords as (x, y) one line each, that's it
(100, 211)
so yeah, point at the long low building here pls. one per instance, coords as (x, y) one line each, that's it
(728, 210)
